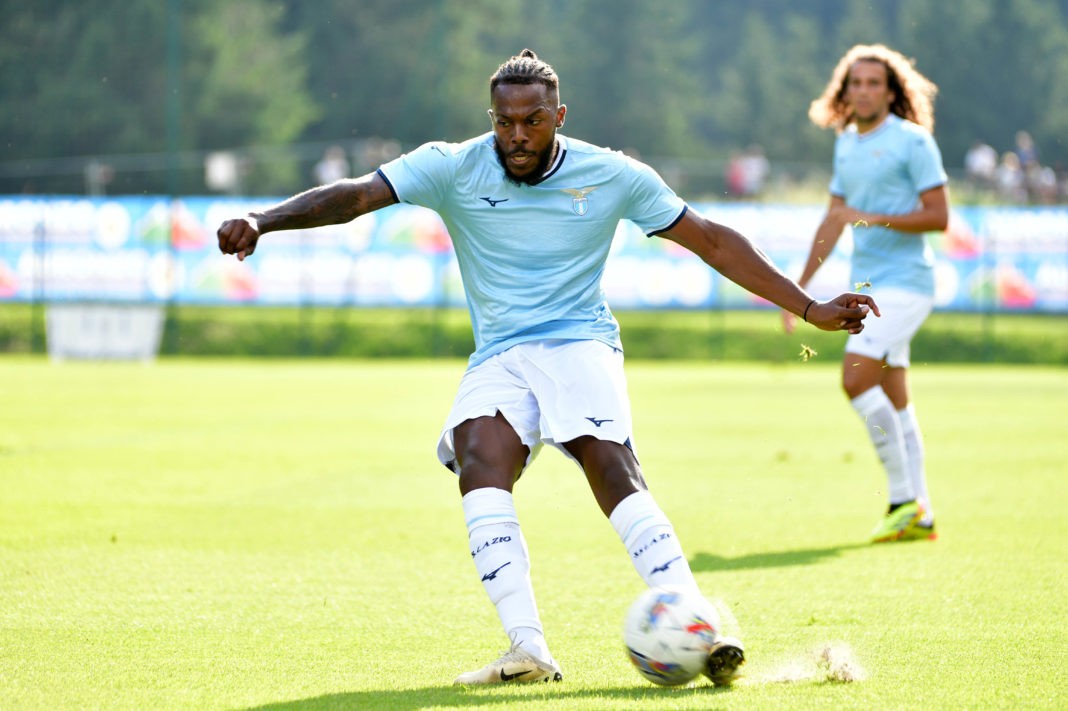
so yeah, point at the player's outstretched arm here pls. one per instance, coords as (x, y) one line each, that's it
(332, 204)
(738, 259)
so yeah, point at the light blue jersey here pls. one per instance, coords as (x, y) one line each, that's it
(884, 171)
(532, 256)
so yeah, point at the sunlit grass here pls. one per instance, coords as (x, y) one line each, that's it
(223, 534)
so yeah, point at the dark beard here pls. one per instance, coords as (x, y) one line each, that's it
(534, 176)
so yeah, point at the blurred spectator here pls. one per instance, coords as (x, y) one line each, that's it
(735, 180)
(755, 170)
(333, 166)
(1025, 150)
(981, 165)
(747, 172)
(1041, 184)
(1010, 179)
(1062, 182)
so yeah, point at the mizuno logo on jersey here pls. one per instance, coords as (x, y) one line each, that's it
(492, 202)
(580, 203)
(597, 422)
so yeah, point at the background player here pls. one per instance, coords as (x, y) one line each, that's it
(889, 184)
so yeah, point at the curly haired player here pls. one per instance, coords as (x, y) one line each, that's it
(890, 186)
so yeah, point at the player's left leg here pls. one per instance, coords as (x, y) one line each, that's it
(895, 383)
(581, 391)
(617, 484)
(655, 551)
(597, 435)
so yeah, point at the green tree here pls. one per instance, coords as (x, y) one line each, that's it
(90, 78)
(862, 23)
(1000, 66)
(73, 84)
(684, 82)
(628, 88)
(246, 85)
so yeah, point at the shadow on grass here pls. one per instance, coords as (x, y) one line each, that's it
(457, 696)
(707, 562)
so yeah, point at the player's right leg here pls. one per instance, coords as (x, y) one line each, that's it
(487, 452)
(490, 457)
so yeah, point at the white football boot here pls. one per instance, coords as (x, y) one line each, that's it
(514, 666)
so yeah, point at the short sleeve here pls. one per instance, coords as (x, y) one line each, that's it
(423, 176)
(925, 163)
(653, 206)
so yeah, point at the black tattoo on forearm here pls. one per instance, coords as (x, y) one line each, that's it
(326, 205)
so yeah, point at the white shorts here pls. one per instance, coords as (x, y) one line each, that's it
(550, 391)
(887, 337)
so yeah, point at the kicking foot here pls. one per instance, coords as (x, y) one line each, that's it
(724, 659)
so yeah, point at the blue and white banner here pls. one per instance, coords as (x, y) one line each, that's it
(154, 250)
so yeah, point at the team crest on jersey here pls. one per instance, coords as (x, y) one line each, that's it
(580, 204)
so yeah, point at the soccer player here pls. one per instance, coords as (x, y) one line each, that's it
(531, 214)
(888, 183)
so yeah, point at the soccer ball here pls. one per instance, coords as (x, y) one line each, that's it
(668, 633)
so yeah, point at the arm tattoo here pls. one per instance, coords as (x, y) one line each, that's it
(331, 204)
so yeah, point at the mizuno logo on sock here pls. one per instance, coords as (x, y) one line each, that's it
(492, 575)
(663, 568)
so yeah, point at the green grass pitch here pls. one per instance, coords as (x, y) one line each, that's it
(240, 534)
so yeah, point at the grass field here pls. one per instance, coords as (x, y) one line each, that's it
(240, 534)
(702, 335)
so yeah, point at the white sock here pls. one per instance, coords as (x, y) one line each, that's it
(651, 542)
(884, 428)
(910, 431)
(503, 563)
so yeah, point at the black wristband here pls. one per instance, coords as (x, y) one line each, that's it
(804, 317)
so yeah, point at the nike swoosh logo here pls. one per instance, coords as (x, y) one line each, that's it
(597, 422)
(492, 575)
(510, 677)
(663, 568)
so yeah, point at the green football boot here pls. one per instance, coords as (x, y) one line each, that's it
(897, 522)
